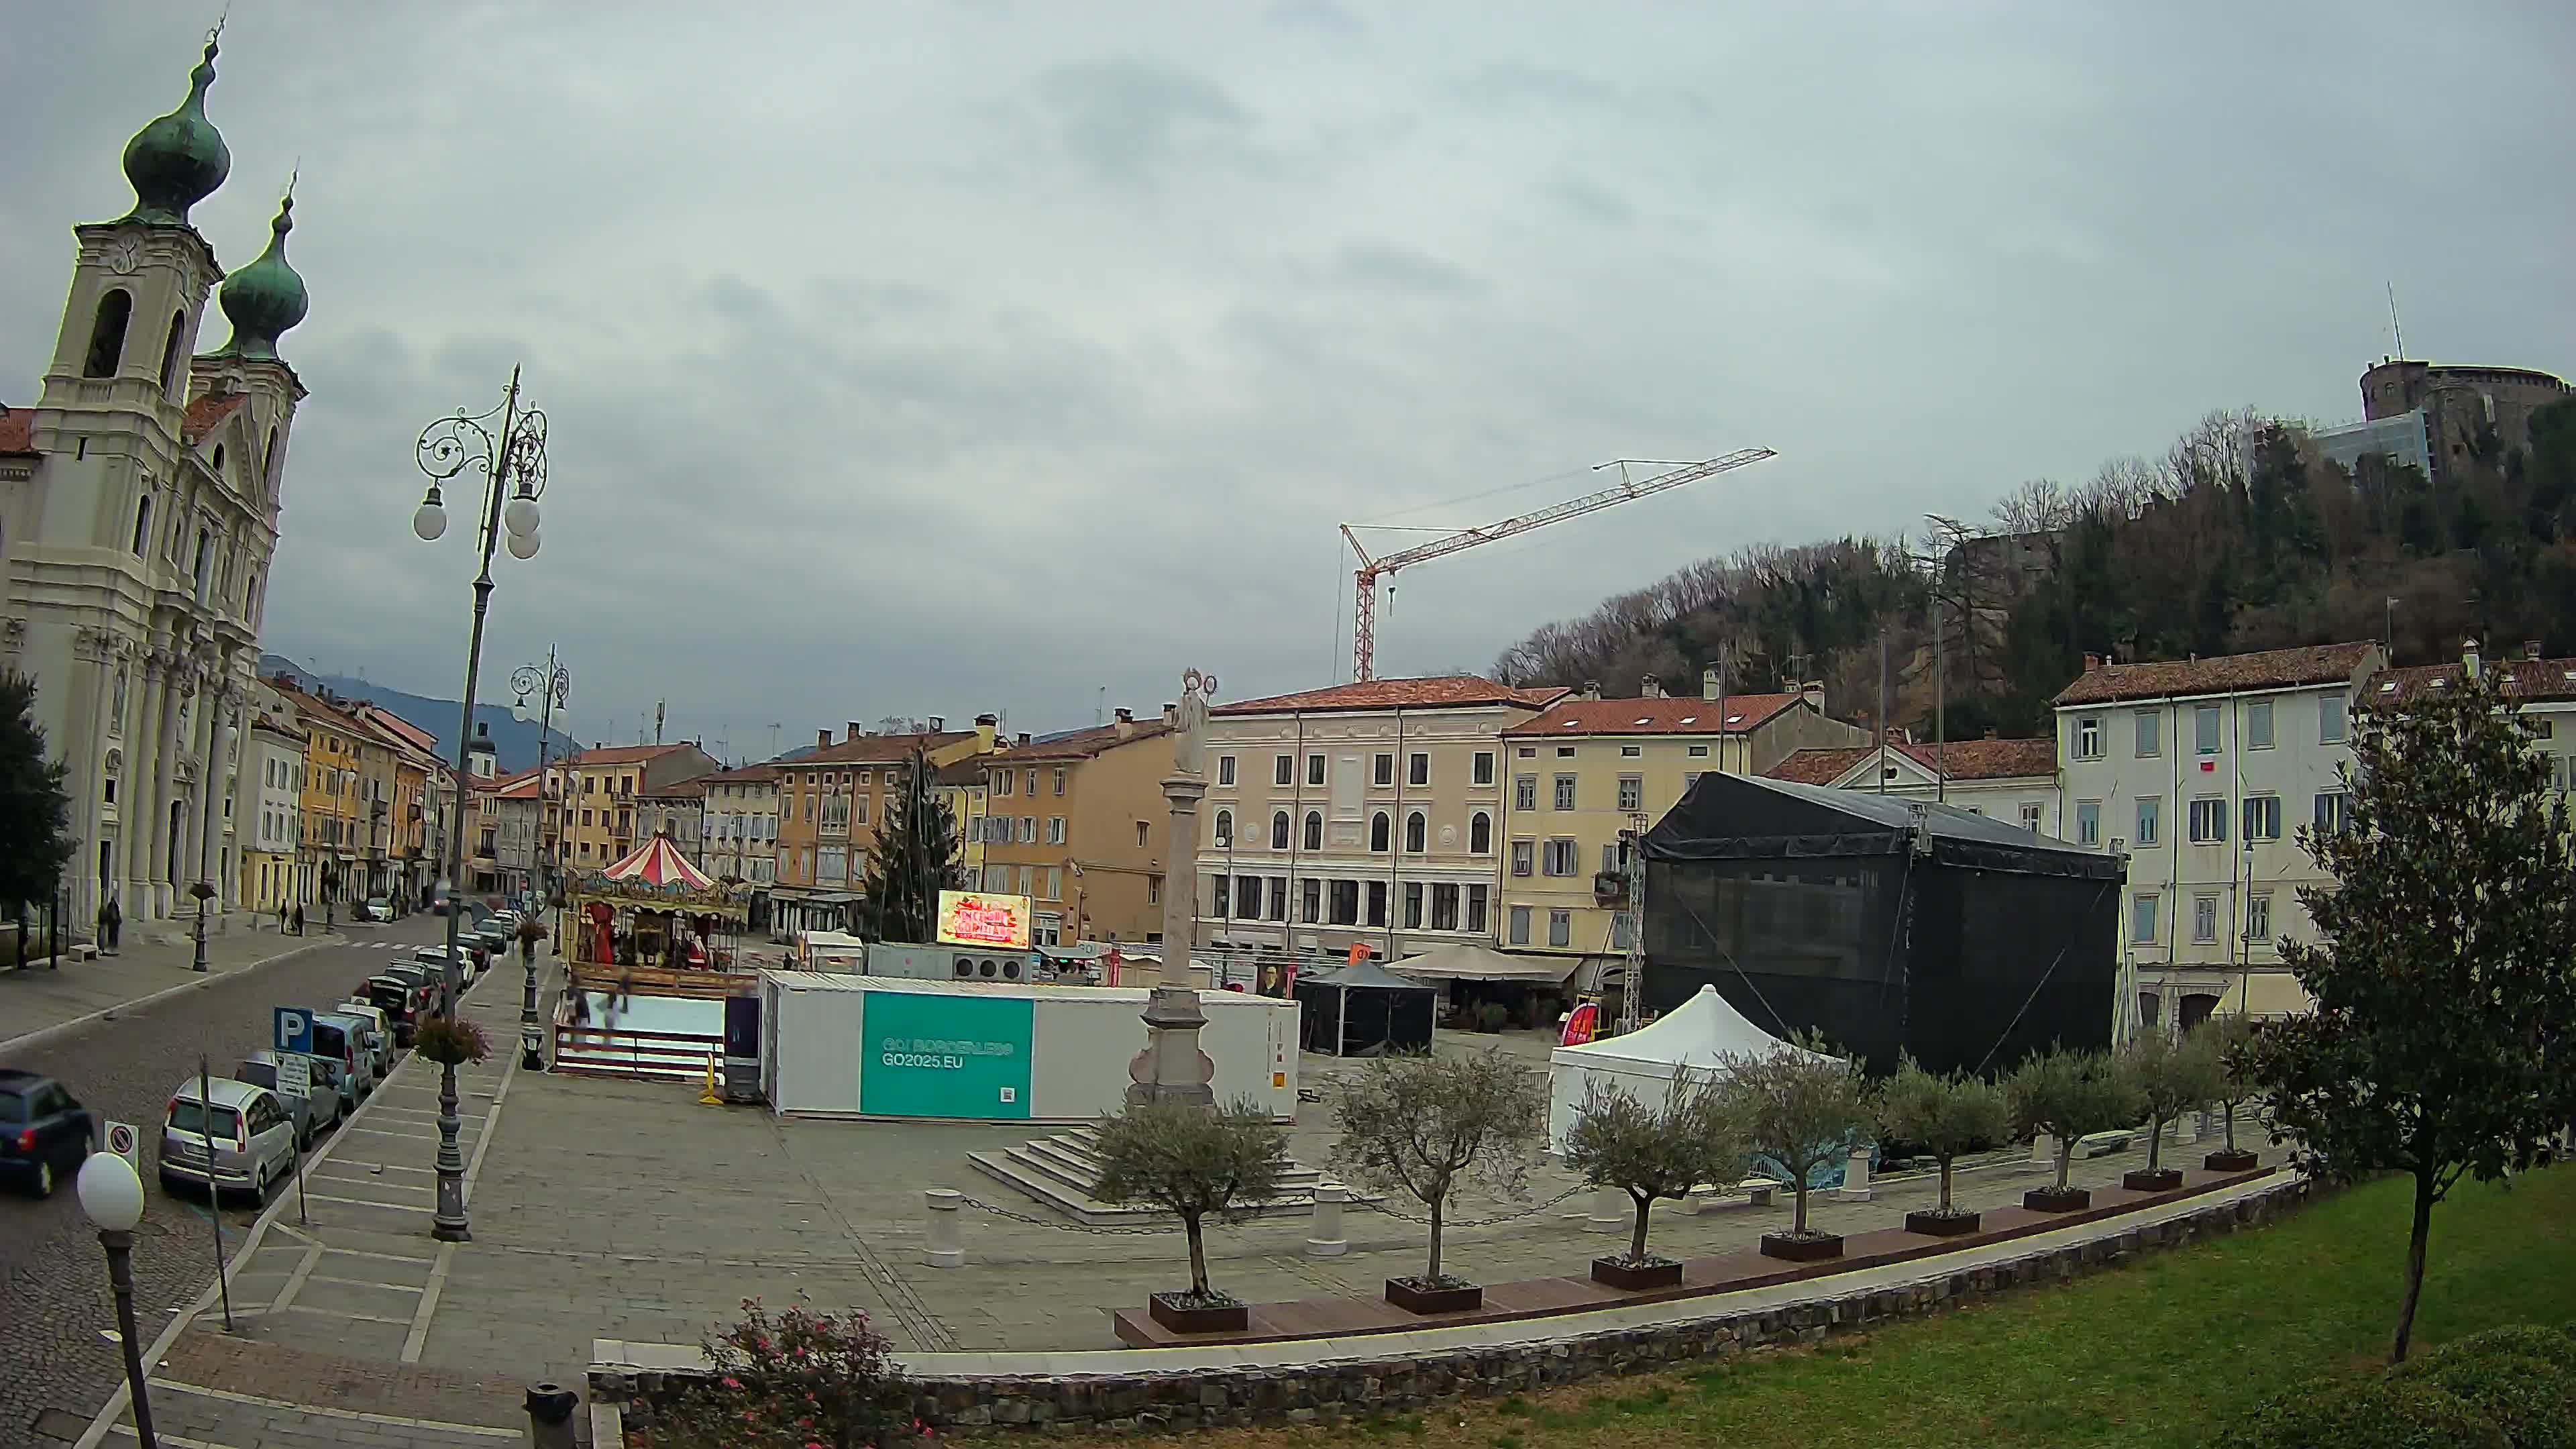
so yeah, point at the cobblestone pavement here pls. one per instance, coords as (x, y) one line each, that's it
(53, 1281)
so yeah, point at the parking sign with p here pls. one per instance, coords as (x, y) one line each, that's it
(294, 1030)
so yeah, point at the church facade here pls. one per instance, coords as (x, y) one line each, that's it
(139, 506)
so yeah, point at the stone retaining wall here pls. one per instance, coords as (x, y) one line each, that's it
(1351, 1388)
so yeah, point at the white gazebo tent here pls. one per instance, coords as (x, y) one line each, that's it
(1695, 1036)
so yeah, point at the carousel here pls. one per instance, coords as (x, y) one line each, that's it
(657, 911)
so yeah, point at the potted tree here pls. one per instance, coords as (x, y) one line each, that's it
(1946, 1116)
(1193, 1164)
(1652, 1153)
(2228, 1039)
(2172, 1077)
(1798, 1106)
(2067, 1095)
(1427, 1126)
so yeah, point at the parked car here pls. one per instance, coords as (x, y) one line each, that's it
(333, 1048)
(44, 1131)
(435, 958)
(402, 1000)
(358, 1034)
(425, 976)
(311, 1114)
(240, 1141)
(380, 1028)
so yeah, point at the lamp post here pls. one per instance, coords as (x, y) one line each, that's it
(204, 893)
(513, 464)
(111, 1197)
(1172, 1068)
(554, 683)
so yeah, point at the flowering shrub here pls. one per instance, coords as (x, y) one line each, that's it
(795, 1379)
(450, 1041)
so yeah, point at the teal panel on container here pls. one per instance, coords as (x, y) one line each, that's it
(934, 1054)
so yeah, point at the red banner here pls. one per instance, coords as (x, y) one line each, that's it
(1582, 1026)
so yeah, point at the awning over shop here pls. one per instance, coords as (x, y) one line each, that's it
(1468, 962)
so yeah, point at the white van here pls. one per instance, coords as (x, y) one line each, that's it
(829, 951)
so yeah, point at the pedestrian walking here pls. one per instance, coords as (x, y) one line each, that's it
(281, 918)
(111, 927)
(299, 918)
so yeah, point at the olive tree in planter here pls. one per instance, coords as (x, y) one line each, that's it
(1946, 1117)
(2171, 1077)
(1194, 1164)
(1798, 1105)
(1652, 1153)
(2069, 1095)
(1427, 1126)
(2229, 1041)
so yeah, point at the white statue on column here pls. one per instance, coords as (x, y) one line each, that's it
(1189, 739)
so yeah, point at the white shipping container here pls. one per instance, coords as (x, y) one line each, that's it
(866, 1046)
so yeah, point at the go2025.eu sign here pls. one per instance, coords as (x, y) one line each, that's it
(937, 1055)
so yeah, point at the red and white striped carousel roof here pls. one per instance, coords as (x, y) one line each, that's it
(659, 864)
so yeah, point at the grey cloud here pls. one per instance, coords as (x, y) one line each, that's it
(1129, 118)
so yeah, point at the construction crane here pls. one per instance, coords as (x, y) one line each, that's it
(1364, 614)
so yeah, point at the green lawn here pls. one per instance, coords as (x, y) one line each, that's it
(2151, 1354)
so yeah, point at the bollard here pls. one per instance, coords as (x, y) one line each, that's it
(944, 1235)
(1612, 1212)
(1855, 1186)
(550, 1409)
(2043, 1151)
(1325, 1237)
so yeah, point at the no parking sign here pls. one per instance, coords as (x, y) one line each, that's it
(127, 1143)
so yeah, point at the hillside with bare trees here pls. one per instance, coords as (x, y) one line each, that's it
(2239, 537)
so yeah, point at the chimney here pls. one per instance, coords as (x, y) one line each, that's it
(1813, 692)
(1650, 688)
(855, 731)
(1591, 690)
(1990, 733)
(822, 739)
(2469, 657)
(1709, 688)
(1125, 723)
(1172, 715)
(939, 724)
(986, 726)
(1024, 737)
(2530, 648)
(2092, 663)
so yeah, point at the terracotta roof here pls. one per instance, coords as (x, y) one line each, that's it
(417, 737)
(17, 429)
(875, 749)
(1962, 759)
(208, 413)
(1666, 716)
(2527, 679)
(521, 786)
(967, 772)
(1437, 691)
(619, 755)
(695, 786)
(747, 775)
(2224, 674)
(1081, 744)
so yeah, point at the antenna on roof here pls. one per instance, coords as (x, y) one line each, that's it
(2396, 329)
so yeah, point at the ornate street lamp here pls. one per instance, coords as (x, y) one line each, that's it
(111, 1197)
(204, 892)
(513, 463)
(552, 684)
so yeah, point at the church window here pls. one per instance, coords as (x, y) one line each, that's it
(170, 352)
(142, 524)
(107, 334)
(219, 457)
(205, 553)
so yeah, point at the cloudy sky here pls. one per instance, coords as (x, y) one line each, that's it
(934, 358)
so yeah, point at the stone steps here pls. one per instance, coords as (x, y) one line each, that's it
(1063, 1173)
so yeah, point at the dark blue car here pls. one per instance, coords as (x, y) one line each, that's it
(44, 1132)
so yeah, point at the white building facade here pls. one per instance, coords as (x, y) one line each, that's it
(2012, 780)
(2202, 771)
(742, 824)
(139, 501)
(269, 818)
(1365, 814)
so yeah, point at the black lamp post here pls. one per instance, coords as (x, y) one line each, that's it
(513, 464)
(552, 685)
(111, 1197)
(204, 891)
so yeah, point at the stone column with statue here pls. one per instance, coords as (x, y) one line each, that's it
(1172, 1068)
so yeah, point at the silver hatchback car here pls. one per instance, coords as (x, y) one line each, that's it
(252, 1139)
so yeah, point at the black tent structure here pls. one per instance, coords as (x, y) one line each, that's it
(1889, 925)
(1364, 1010)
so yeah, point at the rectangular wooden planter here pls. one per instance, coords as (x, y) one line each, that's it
(1403, 1294)
(2162, 1179)
(1801, 1250)
(1180, 1318)
(2226, 1161)
(1637, 1277)
(2050, 1200)
(1940, 1225)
